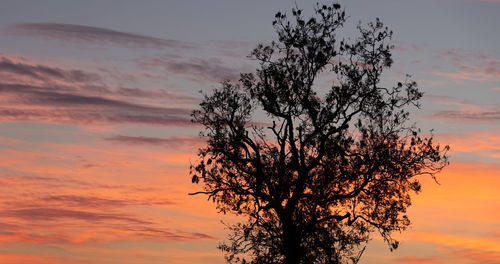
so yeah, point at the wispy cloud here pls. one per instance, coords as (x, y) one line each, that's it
(72, 213)
(493, 115)
(476, 256)
(42, 95)
(461, 243)
(71, 32)
(92, 117)
(43, 72)
(175, 141)
(471, 66)
(84, 201)
(44, 182)
(420, 259)
(484, 143)
(198, 70)
(29, 257)
(465, 110)
(103, 227)
(475, 74)
(232, 44)
(51, 214)
(154, 94)
(19, 71)
(37, 92)
(45, 106)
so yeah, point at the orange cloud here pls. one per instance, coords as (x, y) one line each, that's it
(419, 260)
(486, 143)
(455, 221)
(456, 241)
(77, 194)
(24, 258)
(467, 192)
(475, 255)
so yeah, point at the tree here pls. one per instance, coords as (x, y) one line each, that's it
(314, 173)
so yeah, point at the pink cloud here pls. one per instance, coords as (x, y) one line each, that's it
(41, 93)
(492, 115)
(474, 75)
(96, 116)
(175, 142)
(43, 72)
(467, 110)
(471, 66)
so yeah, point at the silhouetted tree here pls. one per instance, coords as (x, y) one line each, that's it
(314, 173)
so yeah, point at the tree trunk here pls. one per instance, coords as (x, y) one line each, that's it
(291, 242)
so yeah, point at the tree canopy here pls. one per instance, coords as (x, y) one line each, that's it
(315, 173)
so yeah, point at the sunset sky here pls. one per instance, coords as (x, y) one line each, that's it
(96, 138)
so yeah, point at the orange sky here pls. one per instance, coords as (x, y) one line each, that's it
(96, 138)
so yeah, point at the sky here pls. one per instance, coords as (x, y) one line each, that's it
(96, 138)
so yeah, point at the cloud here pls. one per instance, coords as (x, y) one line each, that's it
(232, 48)
(198, 70)
(420, 259)
(68, 193)
(35, 92)
(42, 72)
(175, 141)
(18, 71)
(71, 32)
(34, 95)
(100, 227)
(101, 235)
(170, 235)
(469, 116)
(79, 218)
(84, 117)
(44, 182)
(471, 66)
(474, 75)
(484, 143)
(477, 256)
(30, 257)
(154, 94)
(467, 110)
(87, 205)
(407, 46)
(51, 214)
(232, 44)
(478, 249)
(81, 201)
